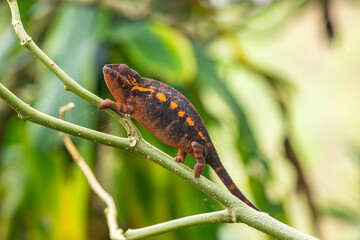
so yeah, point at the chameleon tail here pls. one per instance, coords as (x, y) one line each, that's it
(226, 179)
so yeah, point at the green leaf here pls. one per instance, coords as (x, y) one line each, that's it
(157, 51)
(13, 176)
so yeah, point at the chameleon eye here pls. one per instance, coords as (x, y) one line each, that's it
(112, 74)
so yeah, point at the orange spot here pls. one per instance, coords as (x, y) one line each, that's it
(133, 81)
(232, 187)
(190, 121)
(161, 97)
(201, 135)
(142, 89)
(173, 105)
(218, 169)
(181, 113)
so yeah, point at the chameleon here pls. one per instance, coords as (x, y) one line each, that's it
(169, 116)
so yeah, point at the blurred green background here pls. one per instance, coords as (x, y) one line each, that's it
(276, 82)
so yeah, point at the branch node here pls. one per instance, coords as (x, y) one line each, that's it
(106, 211)
(25, 41)
(132, 142)
(15, 22)
(22, 117)
(117, 234)
(232, 215)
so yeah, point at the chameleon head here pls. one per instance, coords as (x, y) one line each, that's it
(120, 76)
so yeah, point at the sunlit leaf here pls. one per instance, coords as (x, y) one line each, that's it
(157, 50)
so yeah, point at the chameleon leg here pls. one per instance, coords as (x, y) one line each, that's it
(118, 107)
(180, 157)
(199, 152)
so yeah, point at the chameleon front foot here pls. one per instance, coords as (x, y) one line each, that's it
(107, 104)
(118, 107)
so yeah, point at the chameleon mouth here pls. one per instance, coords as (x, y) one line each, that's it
(110, 71)
(109, 68)
(123, 69)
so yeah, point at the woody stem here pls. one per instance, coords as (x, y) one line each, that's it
(69, 83)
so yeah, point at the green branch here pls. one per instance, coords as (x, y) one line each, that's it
(237, 210)
(195, 220)
(28, 113)
(69, 83)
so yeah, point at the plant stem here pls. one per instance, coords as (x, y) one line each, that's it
(69, 83)
(28, 113)
(111, 211)
(195, 220)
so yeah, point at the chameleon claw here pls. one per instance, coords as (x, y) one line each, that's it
(178, 159)
(105, 104)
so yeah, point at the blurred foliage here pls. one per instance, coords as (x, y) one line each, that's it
(217, 54)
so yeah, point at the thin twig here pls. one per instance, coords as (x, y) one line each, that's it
(200, 219)
(111, 211)
(302, 180)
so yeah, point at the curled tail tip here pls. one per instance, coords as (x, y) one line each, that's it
(247, 202)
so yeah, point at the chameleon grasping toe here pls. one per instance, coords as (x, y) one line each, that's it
(168, 115)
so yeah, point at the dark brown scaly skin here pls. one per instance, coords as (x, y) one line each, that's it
(168, 115)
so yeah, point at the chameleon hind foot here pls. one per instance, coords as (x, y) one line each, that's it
(199, 151)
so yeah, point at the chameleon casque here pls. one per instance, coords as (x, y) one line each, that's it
(168, 115)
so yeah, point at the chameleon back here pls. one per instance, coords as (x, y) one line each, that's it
(168, 115)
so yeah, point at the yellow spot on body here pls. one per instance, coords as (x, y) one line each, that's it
(201, 135)
(181, 113)
(142, 89)
(190, 121)
(161, 97)
(173, 105)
